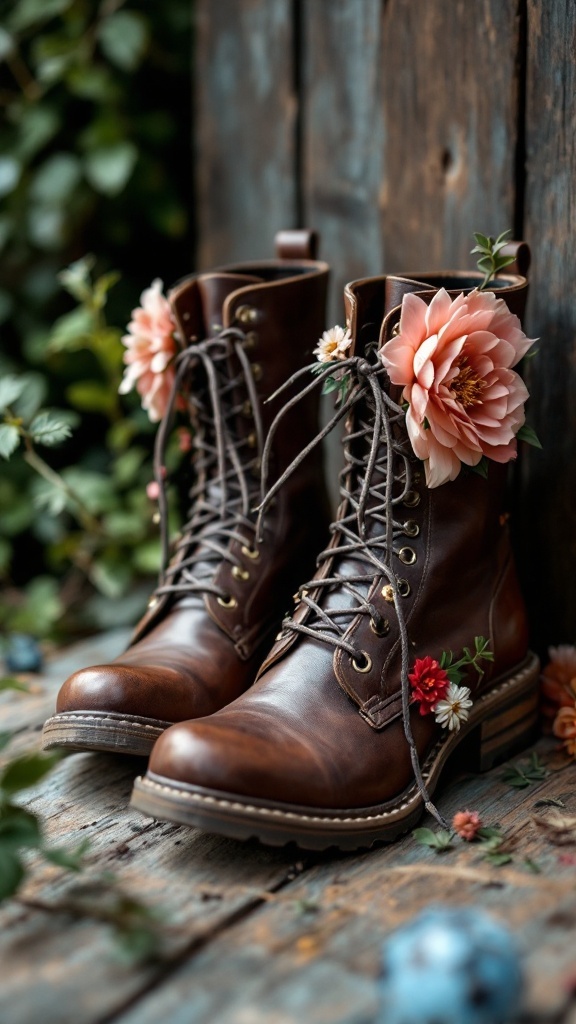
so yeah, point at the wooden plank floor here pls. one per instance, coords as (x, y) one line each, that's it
(257, 935)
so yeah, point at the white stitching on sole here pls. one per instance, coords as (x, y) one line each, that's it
(269, 812)
(56, 719)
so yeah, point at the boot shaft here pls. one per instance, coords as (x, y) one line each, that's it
(246, 328)
(450, 554)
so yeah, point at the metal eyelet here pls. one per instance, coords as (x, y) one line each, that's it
(407, 556)
(256, 371)
(380, 632)
(240, 574)
(388, 593)
(411, 528)
(246, 314)
(300, 594)
(404, 588)
(281, 635)
(250, 340)
(395, 330)
(247, 408)
(411, 499)
(227, 602)
(363, 665)
(152, 602)
(252, 553)
(252, 440)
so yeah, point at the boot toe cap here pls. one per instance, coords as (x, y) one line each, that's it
(126, 689)
(213, 755)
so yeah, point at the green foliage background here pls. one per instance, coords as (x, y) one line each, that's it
(95, 157)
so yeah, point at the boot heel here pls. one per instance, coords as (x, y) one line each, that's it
(504, 733)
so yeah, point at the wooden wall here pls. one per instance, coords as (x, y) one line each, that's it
(398, 127)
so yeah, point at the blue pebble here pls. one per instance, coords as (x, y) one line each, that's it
(23, 654)
(450, 966)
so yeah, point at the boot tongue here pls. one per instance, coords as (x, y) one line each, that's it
(213, 290)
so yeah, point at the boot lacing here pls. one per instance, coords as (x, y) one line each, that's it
(225, 465)
(365, 501)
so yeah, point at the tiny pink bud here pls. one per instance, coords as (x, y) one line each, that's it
(184, 439)
(153, 490)
(466, 824)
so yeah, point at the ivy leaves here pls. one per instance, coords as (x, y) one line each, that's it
(21, 830)
(137, 928)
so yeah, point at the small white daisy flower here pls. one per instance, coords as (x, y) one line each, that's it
(454, 708)
(333, 344)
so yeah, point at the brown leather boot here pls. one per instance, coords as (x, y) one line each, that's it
(329, 746)
(221, 599)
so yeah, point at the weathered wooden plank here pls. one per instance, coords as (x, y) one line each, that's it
(312, 951)
(245, 129)
(548, 509)
(62, 969)
(343, 136)
(450, 110)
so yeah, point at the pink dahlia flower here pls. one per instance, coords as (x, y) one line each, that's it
(150, 350)
(454, 358)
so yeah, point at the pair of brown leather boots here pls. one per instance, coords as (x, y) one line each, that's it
(305, 724)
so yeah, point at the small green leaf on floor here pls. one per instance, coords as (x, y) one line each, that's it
(11, 683)
(72, 860)
(438, 841)
(520, 776)
(532, 866)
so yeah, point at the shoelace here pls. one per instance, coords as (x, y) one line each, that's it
(225, 489)
(368, 500)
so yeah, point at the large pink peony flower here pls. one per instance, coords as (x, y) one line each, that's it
(454, 358)
(150, 349)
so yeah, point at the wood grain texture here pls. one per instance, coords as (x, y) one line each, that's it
(548, 505)
(450, 110)
(245, 127)
(67, 971)
(257, 935)
(343, 136)
(311, 952)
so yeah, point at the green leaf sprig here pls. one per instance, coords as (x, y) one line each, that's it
(520, 776)
(339, 384)
(491, 259)
(454, 669)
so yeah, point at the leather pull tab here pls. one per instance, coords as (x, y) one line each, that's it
(522, 258)
(297, 245)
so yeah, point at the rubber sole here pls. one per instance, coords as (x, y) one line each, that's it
(502, 722)
(100, 730)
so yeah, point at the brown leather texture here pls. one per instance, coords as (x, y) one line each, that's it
(316, 732)
(191, 654)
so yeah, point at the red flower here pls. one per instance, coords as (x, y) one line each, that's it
(429, 683)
